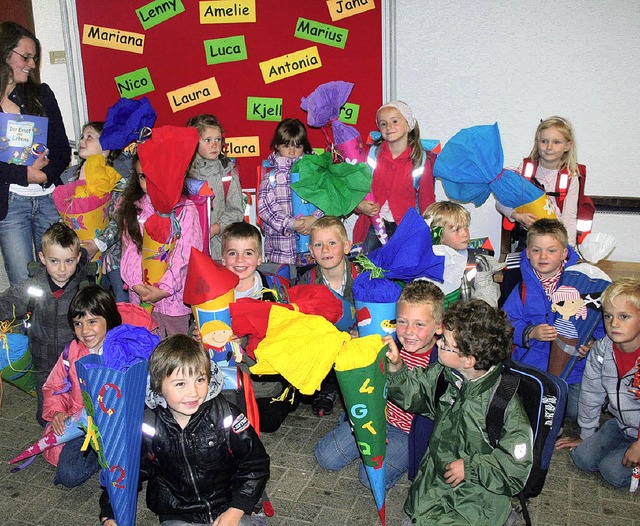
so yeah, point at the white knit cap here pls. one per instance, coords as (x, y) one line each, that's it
(404, 109)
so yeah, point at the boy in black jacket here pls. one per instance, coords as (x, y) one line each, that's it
(46, 296)
(204, 462)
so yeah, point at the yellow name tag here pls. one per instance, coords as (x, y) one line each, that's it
(113, 39)
(193, 94)
(227, 11)
(289, 65)
(339, 9)
(242, 146)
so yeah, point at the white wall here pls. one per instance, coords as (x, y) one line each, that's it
(463, 63)
(48, 29)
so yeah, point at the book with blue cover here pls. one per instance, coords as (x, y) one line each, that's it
(22, 138)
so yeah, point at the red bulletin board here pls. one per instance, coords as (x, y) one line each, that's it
(174, 53)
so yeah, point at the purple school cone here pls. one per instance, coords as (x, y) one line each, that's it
(73, 429)
(362, 374)
(115, 405)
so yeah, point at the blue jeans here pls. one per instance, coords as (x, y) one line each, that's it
(603, 452)
(21, 231)
(573, 395)
(338, 449)
(75, 466)
(113, 280)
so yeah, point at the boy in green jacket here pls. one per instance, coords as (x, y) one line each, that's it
(461, 478)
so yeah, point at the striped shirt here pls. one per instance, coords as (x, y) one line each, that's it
(396, 416)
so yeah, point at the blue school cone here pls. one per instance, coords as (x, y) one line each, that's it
(300, 208)
(115, 404)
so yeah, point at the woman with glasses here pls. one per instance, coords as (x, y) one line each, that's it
(26, 204)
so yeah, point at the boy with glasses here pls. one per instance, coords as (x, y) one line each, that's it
(462, 477)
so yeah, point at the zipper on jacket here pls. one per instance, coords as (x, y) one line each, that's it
(192, 478)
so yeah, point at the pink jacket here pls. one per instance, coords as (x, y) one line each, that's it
(173, 279)
(69, 402)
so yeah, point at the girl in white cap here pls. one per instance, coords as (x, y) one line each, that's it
(402, 173)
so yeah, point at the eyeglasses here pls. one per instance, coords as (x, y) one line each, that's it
(27, 58)
(443, 347)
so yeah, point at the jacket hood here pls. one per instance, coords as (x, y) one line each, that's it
(154, 399)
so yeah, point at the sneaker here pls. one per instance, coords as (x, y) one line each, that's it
(322, 404)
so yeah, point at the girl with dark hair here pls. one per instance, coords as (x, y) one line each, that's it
(92, 313)
(275, 208)
(26, 205)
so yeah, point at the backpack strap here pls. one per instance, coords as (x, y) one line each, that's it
(65, 363)
(501, 398)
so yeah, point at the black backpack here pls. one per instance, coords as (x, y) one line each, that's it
(544, 397)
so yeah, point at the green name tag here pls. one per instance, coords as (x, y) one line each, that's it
(321, 33)
(134, 83)
(264, 109)
(159, 11)
(349, 113)
(231, 49)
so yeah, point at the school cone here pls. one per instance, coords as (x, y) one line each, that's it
(73, 429)
(115, 405)
(362, 375)
(209, 289)
(157, 244)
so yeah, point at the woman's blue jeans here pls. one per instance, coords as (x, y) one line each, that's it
(21, 231)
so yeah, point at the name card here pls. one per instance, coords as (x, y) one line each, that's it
(264, 109)
(349, 113)
(242, 146)
(289, 65)
(193, 94)
(159, 11)
(227, 12)
(321, 33)
(230, 49)
(134, 83)
(339, 9)
(113, 39)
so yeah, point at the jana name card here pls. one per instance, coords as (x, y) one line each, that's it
(22, 138)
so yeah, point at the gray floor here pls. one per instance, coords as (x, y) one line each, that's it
(301, 492)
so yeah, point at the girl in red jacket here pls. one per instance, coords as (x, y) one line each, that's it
(402, 177)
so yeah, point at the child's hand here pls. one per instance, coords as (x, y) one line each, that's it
(91, 247)
(214, 229)
(110, 522)
(150, 294)
(524, 218)
(303, 224)
(454, 473)
(568, 442)
(585, 348)
(57, 423)
(544, 333)
(393, 354)
(231, 517)
(632, 455)
(368, 208)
